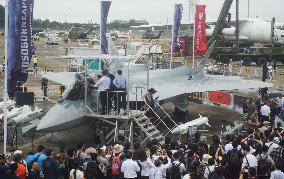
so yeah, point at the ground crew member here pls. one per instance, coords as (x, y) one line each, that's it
(264, 71)
(35, 60)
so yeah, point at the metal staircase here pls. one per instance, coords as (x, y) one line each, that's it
(161, 124)
(150, 130)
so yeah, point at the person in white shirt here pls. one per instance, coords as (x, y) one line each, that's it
(160, 168)
(277, 174)
(271, 146)
(76, 173)
(270, 71)
(121, 85)
(249, 160)
(210, 167)
(146, 164)
(103, 85)
(265, 112)
(129, 168)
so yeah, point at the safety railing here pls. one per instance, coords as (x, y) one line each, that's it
(158, 120)
(113, 102)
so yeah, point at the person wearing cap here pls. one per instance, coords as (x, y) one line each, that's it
(103, 85)
(116, 161)
(209, 163)
(120, 83)
(3, 166)
(265, 127)
(151, 104)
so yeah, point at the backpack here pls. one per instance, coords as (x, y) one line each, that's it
(94, 171)
(115, 165)
(263, 167)
(234, 162)
(173, 172)
(215, 176)
(211, 173)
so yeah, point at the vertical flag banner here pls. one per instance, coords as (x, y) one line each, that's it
(200, 45)
(176, 26)
(105, 5)
(20, 46)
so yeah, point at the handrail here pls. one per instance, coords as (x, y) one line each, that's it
(159, 118)
(96, 92)
(168, 116)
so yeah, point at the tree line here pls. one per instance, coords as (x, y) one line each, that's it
(54, 25)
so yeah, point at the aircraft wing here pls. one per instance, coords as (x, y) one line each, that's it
(170, 83)
(180, 85)
(64, 78)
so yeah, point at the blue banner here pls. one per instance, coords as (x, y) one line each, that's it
(176, 26)
(105, 5)
(20, 46)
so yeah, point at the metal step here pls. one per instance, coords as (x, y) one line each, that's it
(150, 131)
(141, 119)
(150, 128)
(159, 138)
(154, 133)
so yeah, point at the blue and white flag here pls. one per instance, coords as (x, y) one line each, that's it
(105, 5)
(20, 46)
(176, 26)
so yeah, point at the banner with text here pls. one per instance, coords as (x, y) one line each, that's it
(200, 45)
(176, 27)
(20, 46)
(105, 5)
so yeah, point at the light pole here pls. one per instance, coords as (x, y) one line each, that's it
(248, 8)
(6, 76)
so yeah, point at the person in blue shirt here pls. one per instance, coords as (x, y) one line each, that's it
(38, 157)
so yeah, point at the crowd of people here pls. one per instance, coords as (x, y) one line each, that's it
(256, 154)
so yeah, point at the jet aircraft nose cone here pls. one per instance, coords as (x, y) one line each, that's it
(62, 116)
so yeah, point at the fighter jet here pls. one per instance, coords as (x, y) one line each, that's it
(169, 83)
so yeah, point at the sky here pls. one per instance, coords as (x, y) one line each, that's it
(155, 11)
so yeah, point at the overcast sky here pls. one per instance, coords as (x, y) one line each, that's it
(155, 11)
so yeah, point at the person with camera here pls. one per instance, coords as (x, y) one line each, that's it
(248, 173)
(249, 159)
(264, 164)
